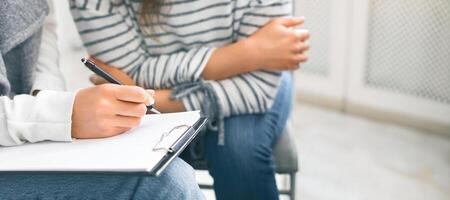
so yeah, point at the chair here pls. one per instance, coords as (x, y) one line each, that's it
(286, 160)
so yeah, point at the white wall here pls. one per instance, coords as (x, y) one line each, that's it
(71, 49)
(385, 59)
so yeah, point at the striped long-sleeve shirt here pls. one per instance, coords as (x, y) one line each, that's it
(174, 50)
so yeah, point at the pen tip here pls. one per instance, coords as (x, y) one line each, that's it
(83, 60)
(155, 111)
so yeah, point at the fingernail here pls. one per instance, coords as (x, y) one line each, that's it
(150, 100)
(303, 32)
(151, 92)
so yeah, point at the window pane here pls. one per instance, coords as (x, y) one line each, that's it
(409, 47)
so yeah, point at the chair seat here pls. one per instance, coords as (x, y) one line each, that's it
(285, 152)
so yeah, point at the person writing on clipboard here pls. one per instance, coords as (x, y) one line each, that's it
(34, 108)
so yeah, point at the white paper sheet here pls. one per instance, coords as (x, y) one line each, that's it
(129, 152)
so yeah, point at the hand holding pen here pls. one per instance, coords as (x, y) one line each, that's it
(108, 77)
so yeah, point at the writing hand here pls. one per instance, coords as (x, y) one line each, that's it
(108, 110)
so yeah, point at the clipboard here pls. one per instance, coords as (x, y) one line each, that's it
(137, 152)
(177, 148)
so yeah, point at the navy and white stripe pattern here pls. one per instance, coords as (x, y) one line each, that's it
(178, 46)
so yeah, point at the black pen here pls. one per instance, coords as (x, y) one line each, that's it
(102, 73)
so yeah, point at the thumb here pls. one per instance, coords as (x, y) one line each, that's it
(291, 21)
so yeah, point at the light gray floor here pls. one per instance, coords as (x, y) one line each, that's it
(341, 156)
(347, 157)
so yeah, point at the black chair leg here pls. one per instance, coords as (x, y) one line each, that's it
(290, 192)
(292, 185)
(206, 186)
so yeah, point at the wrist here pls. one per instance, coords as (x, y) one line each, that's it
(251, 52)
(164, 103)
(74, 121)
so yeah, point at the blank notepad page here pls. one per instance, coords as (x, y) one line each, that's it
(128, 152)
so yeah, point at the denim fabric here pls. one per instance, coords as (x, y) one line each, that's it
(176, 182)
(244, 168)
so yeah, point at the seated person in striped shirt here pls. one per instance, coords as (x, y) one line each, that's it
(224, 57)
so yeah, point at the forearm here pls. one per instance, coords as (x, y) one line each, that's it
(165, 104)
(231, 60)
(32, 119)
(250, 93)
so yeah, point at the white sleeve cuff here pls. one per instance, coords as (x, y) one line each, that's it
(50, 118)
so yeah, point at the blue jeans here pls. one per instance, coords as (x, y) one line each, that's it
(176, 182)
(244, 167)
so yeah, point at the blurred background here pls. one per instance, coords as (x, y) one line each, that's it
(372, 113)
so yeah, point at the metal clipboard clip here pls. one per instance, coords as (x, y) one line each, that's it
(159, 145)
